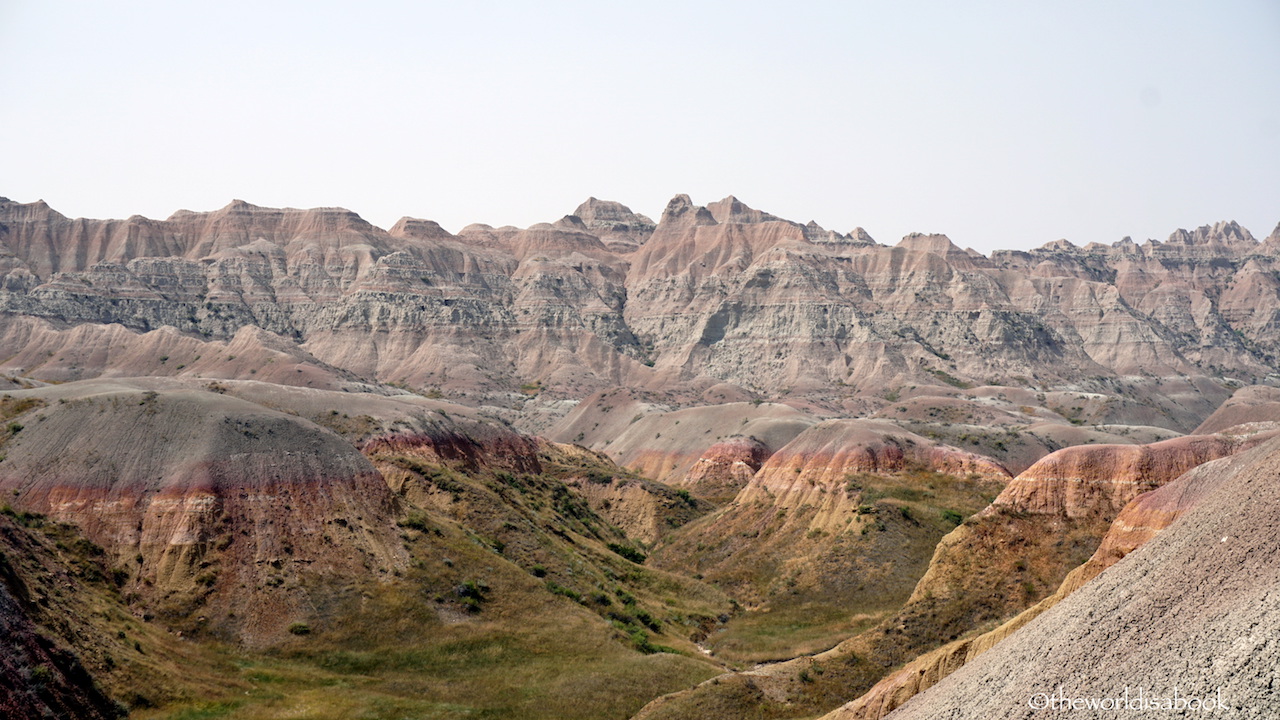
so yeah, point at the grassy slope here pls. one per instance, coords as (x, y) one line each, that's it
(811, 589)
(513, 606)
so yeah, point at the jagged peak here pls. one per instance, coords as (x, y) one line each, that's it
(570, 222)
(38, 210)
(678, 205)
(1227, 232)
(680, 210)
(935, 243)
(1059, 245)
(862, 236)
(418, 229)
(733, 210)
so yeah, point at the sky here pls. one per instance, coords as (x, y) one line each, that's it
(1001, 124)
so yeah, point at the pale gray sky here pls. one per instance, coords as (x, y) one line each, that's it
(1002, 124)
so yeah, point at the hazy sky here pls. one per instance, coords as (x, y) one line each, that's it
(1002, 124)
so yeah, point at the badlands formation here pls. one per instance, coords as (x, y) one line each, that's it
(270, 463)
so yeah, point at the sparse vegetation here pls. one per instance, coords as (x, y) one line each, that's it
(950, 379)
(628, 552)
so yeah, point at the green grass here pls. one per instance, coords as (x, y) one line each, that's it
(479, 670)
(787, 632)
(537, 642)
(812, 577)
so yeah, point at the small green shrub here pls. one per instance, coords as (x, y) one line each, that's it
(628, 552)
(416, 521)
(557, 589)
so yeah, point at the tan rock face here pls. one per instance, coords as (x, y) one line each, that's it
(814, 466)
(725, 468)
(617, 227)
(1249, 410)
(605, 298)
(1088, 481)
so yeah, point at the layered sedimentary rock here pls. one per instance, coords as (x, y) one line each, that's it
(818, 517)
(614, 223)
(821, 458)
(226, 514)
(1249, 410)
(1090, 480)
(1048, 520)
(665, 443)
(726, 467)
(722, 294)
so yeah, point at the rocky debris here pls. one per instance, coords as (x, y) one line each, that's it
(1141, 626)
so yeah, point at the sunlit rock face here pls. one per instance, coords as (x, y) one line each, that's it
(721, 295)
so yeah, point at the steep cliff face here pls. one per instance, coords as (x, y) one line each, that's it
(415, 305)
(719, 294)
